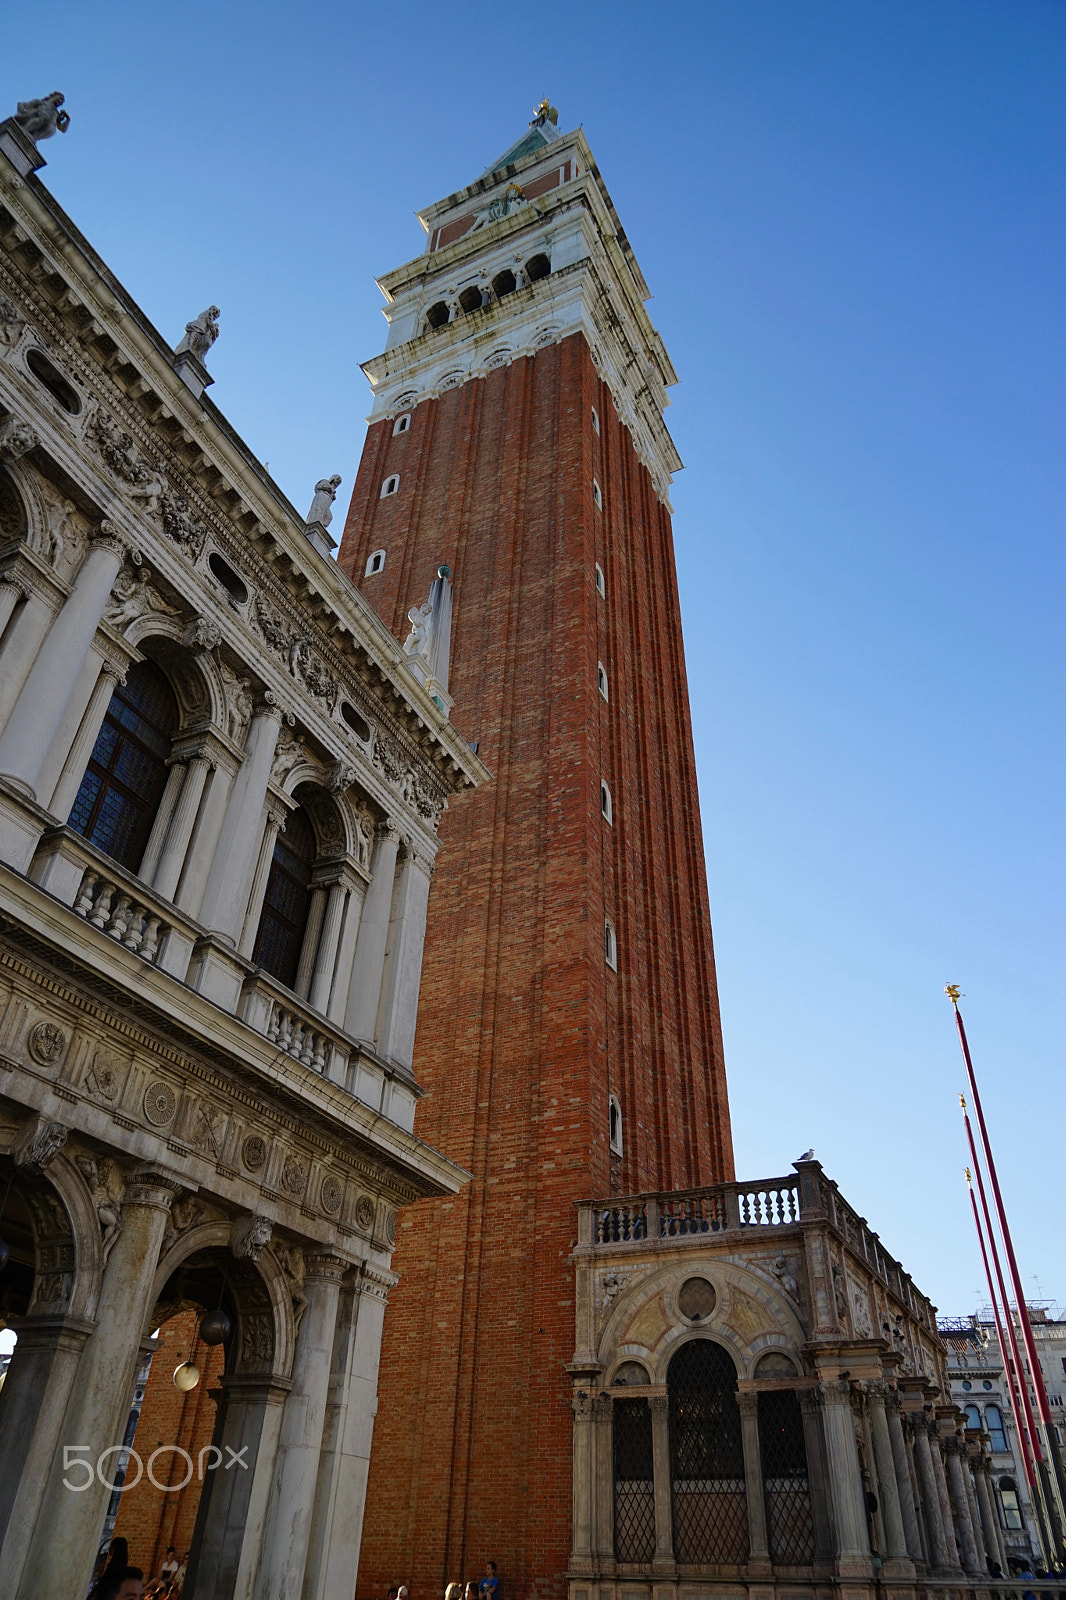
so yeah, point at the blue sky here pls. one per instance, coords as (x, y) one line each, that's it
(851, 220)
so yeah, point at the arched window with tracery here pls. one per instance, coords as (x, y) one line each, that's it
(710, 1506)
(127, 772)
(288, 899)
(786, 1485)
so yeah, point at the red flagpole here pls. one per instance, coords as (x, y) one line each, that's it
(1012, 1390)
(1010, 1351)
(1047, 1427)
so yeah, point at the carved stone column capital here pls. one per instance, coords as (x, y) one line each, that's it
(659, 1405)
(148, 1187)
(748, 1404)
(324, 1265)
(15, 580)
(809, 1402)
(601, 1408)
(387, 830)
(107, 535)
(835, 1391)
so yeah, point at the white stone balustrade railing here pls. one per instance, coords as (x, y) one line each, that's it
(294, 1028)
(804, 1196)
(107, 906)
(299, 1039)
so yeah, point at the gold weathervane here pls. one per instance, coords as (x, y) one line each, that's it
(953, 993)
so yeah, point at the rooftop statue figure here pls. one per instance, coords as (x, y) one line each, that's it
(200, 334)
(322, 505)
(39, 119)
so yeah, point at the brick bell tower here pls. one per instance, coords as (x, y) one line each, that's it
(568, 1031)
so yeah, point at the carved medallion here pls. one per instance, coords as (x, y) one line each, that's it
(102, 1080)
(254, 1152)
(364, 1213)
(390, 1227)
(47, 1042)
(330, 1195)
(294, 1174)
(160, 1103)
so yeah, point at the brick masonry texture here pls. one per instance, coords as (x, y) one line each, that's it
(523, 1030)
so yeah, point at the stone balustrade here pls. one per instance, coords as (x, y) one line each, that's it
(105, 905)
(804, 1196)
(294, 1028)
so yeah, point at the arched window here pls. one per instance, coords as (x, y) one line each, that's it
(614, 1115)
(470, 299)
(706, 1456)
(601, 679)
(391, 485)
(402, 423)
(606, 808)
(538, 266)
(374, 562)
(786, 1485)
(127, 772)
(634, 1481)
(597, 495)
(994, 1424)
(610, 945)
(438, 315)
(601, 582)
(503, 283)
(288, 897)
(1012, 1511)
(973, 1417)
(595, 419)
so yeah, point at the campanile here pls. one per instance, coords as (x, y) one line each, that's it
(568, 1034)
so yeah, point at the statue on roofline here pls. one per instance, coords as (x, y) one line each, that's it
(200, 334)
(39, 119)
(543, 113)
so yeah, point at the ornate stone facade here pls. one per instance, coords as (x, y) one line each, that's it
(761, 1406)
(206, 1095)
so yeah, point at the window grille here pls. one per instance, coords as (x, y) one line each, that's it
(634, 1481)
(710, 1504)
(288, 899)
(790, 1524)
(127, 771)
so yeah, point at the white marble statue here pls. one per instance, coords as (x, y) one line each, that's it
(322, 505)
(39, 119)
(417, 641)
(200, 334)
(428, 645)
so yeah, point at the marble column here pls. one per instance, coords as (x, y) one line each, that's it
(817, 1474)
(309, 949)
(581, 1546)
(758, 1539)
(353, 912)
(403, 960)
(994, 1545)
(63, 1546)
(52, 679)
(33, 1402)
(175, 843)
(888, 1490)
(603, 1480)
(287, 1533)
(21, 644)
(664, 1499)
(272, 826)
(328, 941)
(163, 817)
(226, 895)
(957, 1469)
(942, 1556)
(233, 1504)
(12, 590)
(936, 1452)
(66, 789)
(340, 1493)
(193, 881)
(905, 1489)
(365, 993)
(70, 731)
(845, 1480)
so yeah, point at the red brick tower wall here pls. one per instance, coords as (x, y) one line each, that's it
(523, 1030)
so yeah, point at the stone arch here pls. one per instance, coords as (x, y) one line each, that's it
(66, 1239)
(22, 511)
(330, 817)
(259, 1289)
(194, 676)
